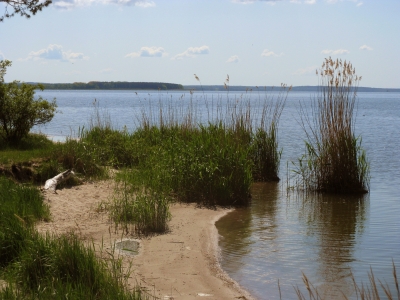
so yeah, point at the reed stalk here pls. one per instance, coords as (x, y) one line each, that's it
(334, 161)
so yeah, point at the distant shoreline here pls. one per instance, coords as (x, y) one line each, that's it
(161, 86)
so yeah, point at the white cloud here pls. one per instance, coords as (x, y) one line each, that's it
(335, 52)
(69, 4)
(191, 52)
(365, 47)
(233, 59)
(306, 71)
(268, 53)
(55, 52)
(2, 57)
(148, 52)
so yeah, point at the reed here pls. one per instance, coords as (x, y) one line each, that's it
(334, 161)
(373, 290)
(266, 154)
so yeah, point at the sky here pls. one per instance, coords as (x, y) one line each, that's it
(263, 43)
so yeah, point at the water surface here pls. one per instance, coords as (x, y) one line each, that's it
(281, 235)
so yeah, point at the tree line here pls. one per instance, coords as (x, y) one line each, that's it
(113, 85)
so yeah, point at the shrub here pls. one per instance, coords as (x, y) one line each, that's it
(19, 111)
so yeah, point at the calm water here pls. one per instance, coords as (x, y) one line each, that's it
(280, 236)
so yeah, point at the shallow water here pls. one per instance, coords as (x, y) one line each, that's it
(282, 235)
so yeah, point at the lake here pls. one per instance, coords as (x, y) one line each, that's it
(281, 235)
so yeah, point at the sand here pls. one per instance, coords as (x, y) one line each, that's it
(180, 264)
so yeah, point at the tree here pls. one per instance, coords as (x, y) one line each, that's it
(25, 8)
(19, 110)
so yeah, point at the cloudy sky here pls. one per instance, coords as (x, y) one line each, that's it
(255, 42)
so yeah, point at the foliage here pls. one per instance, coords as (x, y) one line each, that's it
(20, 206)
(334, 161)
(24, 8)
(19, 111)
(114, 85)
(50, 267)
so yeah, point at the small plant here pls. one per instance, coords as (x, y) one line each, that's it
(334, 161)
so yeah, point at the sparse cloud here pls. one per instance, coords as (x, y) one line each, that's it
(148, 52)
(365, 47)
(55, 52)
(233, 59)
(70, 4)
(2, 57)
(192, 52)
(268, 53)
(306, 71)
(335, 52)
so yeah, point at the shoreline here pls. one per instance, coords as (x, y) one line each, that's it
(180, 264)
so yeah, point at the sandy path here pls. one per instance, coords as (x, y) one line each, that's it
(181, 264)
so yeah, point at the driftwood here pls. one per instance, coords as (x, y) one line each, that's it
(51, 184)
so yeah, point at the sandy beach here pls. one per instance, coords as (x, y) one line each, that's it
(180, 264)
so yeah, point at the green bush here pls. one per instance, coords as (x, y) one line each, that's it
(19, 111)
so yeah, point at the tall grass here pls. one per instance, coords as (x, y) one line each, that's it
(50, 267)
(266, 153)
(334, 161)
(373, 290)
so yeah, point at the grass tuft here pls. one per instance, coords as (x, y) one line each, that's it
(334, 161)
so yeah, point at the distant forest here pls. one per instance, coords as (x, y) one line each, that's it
(124, 85)
(113, 85)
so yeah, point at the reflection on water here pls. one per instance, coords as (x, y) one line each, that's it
(336, 222)
(265, 242)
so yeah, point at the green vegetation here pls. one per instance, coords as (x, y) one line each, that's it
(19, 111)
(334, 161)
(49, 267)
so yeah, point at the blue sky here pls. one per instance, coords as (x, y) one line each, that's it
(255, 42)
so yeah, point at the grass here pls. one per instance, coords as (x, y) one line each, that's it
(33, 147)
(173, 156)
(375, 289)
(334, 161)
(50, 267)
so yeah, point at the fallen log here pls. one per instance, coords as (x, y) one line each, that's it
(51, 184)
